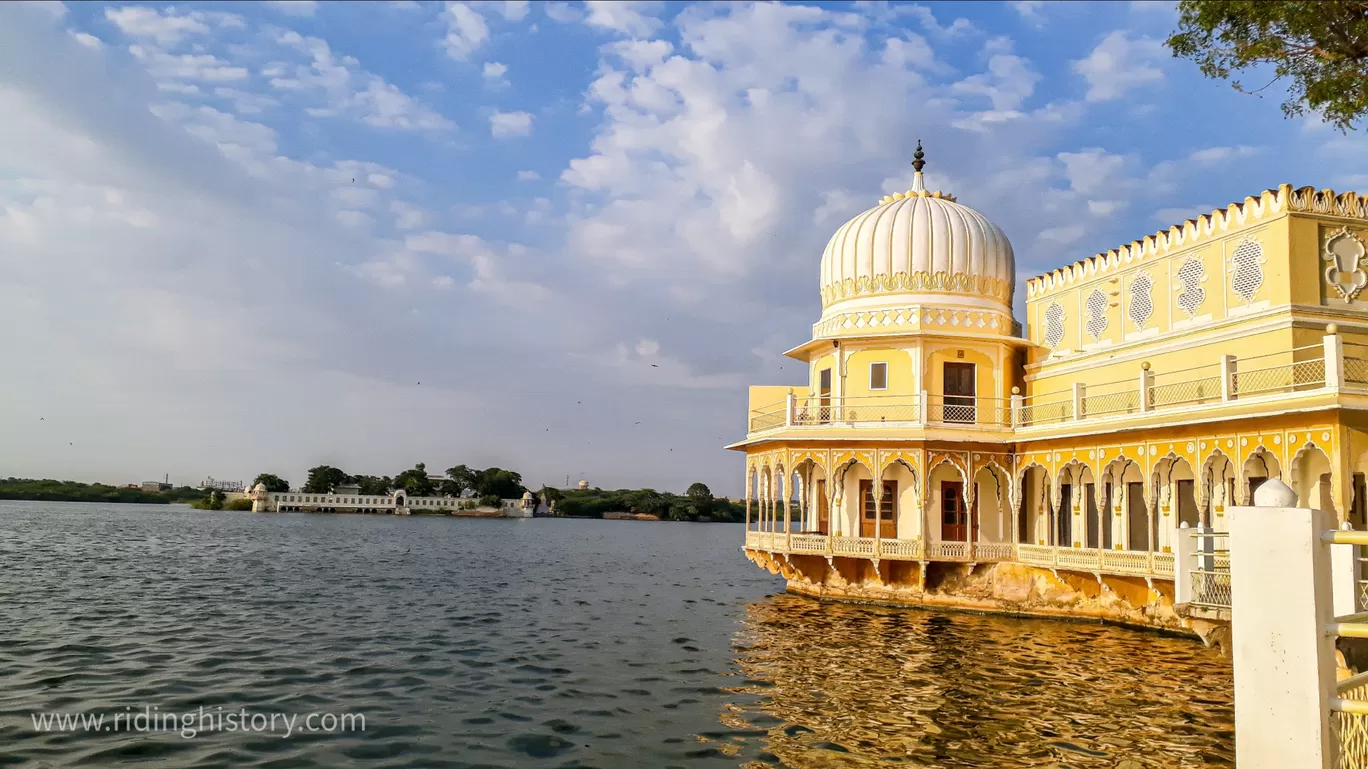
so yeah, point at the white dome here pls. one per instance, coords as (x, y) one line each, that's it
(918, 243)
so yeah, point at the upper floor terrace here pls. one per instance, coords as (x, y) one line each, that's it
(1330, 374)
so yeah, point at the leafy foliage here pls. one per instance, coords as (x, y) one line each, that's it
(697, 504)
(48, 490)
(272, 482)
(323, 479)
(374, 485)
(1320, 49)
(491, 500)
(416, 481)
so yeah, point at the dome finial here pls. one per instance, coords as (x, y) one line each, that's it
(918, 158)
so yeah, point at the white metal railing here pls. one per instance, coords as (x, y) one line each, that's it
(1349, 706)
(870, 409)
(1298, 369)
(968, 410)
(1210, 571)
(768, 417)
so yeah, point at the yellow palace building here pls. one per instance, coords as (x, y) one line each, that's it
(939, 455)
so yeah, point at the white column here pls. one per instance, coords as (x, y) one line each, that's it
(1344, 576)
(1227, 377)
(789, 404)
(1146, 383)
(1284, 660)
(1017, 403)
(923, 407)
(1184, 559)
(748, 492)
(1334, 357)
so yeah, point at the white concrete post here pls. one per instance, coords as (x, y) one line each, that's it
(1146, 384)
(1017, 403)
(1183, 561)
(1078, 392)
(789, 405)
(1227, 377)
(1284, 660)
(1344, 576)
(1334, 357)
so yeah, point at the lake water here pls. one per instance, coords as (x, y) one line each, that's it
(545, 643)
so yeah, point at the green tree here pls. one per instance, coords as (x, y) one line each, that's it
(700, 496)
(415, 481)
(495, 481)
(549, 496)
(1319, 50)
(374, 485)
(272, 482)
(459, 480)
(323, 479)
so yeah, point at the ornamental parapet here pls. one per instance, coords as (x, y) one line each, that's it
(1121, 563)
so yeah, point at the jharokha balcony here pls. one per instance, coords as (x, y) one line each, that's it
(1248, 382)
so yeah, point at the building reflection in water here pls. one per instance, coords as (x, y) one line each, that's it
(834, 685)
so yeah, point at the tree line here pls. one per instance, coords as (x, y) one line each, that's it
(696, 504)
(489, 486)
(48, 490)
(493, 484)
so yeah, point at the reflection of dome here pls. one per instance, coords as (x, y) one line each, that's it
(914, 248)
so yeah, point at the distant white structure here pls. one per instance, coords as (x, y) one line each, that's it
(583, 484)
(345, 499)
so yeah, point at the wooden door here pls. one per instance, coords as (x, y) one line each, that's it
(1092, 528)
(823, 511)
(1187, 503)
(885, 517)
(954, 516)
(1137, 516)
(1064, 517)
(824, 395)
(959, 390)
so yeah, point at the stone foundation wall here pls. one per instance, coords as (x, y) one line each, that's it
(1009, 588)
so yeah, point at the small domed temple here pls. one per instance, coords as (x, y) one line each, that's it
(939, 454)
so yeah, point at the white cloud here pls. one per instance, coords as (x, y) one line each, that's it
(626, 17)
(188, 66)
(1008, 82)
(246, 103)
(293, 7)
(350, 91)
(166, 29)
(1066, 235)
(494, 73)
(406, 216)
(1030, 10)
(1178, 215)
(466, 31)
(383, 181)
(506, 124)
(87, 40)
(562, 12)
(1119, 64)
(1211, 156)
(528, 176)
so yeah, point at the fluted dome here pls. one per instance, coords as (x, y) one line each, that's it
(918, 247)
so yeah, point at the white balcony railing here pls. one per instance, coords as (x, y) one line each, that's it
(1328, 366)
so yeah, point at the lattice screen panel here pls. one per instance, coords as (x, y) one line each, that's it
(1141, 299)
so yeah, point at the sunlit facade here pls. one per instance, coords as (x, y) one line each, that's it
(940, 455)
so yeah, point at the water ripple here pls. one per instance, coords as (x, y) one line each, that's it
(546, 643)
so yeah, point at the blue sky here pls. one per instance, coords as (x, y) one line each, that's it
(558, 237)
